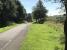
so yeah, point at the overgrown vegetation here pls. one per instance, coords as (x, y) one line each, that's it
(45, 36)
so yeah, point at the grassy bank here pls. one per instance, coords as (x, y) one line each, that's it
(48, 36)
(7, 28)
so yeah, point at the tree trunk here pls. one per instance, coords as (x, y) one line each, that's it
(65, 25)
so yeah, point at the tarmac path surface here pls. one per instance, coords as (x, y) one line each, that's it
(10, 40)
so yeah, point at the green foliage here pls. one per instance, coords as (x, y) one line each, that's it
(39, 12)
(11, 11)
(7, 11)
(44, 37)
(21, 12)
(28, 18)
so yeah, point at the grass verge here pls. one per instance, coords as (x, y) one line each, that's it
(44, 37)
(7, 28)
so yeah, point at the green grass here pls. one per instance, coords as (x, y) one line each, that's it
(7, 28)
(44, 37)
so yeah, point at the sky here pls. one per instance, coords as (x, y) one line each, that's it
(51, 7)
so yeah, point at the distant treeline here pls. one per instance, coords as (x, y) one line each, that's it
(57, 19)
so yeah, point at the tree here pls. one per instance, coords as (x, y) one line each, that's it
(65, 25)
(11, 11)
(39, 12)
(21, 12)
(29, 17)
(7, 11)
